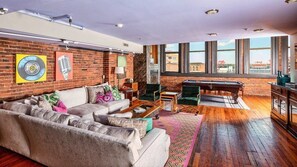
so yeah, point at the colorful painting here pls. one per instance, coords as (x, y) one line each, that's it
(122, 62)
(30, 68)
(64, 66)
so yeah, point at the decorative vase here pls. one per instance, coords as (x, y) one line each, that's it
(278, 79)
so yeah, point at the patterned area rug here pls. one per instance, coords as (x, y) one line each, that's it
(183, 130)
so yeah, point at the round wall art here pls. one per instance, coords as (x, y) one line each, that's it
(30, 68)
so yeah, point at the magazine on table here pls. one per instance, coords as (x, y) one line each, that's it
(141, 108)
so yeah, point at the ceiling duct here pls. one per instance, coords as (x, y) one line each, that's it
(57, 19)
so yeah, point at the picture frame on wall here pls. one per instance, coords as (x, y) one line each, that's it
(64, 66)
(30, 68)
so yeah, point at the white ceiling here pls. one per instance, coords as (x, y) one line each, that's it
(170, 21)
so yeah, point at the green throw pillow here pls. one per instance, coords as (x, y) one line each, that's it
(107, 88)
(52, 98)
(115, 93)
(149, 123)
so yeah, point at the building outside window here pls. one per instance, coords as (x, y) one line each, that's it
(226, 56)
(171, 55)
(260, 55)
(197, 57)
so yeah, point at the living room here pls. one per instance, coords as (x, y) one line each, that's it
(171, 83)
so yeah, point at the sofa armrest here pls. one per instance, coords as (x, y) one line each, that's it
(155, 150)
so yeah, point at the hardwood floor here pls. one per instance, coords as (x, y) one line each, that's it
(228, 137)
(233, 137)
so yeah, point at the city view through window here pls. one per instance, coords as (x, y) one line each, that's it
(171, 54)
(259, 58)
(260, 55)
(226, 56)
(197, 57)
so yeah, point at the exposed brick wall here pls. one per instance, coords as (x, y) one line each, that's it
(252, 86)
(110, 62)
(88, 68)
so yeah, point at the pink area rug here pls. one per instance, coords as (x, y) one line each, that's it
(183, 129)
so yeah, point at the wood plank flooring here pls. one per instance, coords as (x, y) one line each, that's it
(234, 137)
(228, 137)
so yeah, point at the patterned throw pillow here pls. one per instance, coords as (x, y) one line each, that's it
(107, 88)
(103, 98)
(44, 104)
(52, 98)
(93, 91)
(141, 125)
(60, 107)
(116, 94)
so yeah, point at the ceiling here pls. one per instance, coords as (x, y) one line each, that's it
(169, 21)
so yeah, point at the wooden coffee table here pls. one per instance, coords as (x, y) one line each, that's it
(151, 111)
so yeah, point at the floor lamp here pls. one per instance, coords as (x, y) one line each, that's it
(119, 71)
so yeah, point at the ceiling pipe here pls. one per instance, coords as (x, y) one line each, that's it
(56, 19)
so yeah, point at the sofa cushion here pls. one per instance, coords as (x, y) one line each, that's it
(73, 97)
(93, 91)
(141, 125)
(103, 118)
(81, 123)
(128, 134)
(17, 107)
(52, 116)
(42, 103)
(87, 110)
(116, 105)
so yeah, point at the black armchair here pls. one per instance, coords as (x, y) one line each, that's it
(152, 92)
(190, 96)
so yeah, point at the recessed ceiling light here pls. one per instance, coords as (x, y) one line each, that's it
(212, 11)
(258, 30)
(212, 34)
(290, 1)
(119, 25)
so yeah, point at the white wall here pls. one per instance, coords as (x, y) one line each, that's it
(293, 41)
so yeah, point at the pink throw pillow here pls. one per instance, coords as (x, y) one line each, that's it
(60, 107)
(103, 98)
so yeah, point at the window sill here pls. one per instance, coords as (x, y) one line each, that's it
(219, 75)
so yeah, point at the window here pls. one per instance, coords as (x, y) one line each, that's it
(289, 56)
(260, 55)
(226, 56)
(197, 57)
(171, 55)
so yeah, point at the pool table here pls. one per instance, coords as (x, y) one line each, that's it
(230, 86)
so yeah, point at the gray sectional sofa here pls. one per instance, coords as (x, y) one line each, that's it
(55, 143)
(77, 102)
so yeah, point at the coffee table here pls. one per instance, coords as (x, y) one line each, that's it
(152, 110)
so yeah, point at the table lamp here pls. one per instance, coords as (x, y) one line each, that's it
(118, 71)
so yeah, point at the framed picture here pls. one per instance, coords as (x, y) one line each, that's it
(64, 66)
(30, 68)
(122, 62)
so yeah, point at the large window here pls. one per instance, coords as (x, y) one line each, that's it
(226, 56)
(171, 55)
(260, 55)
(197, 57)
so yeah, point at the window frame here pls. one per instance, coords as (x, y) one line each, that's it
(198, 51)
(176, 52)
(235, 58)
(260, 48)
